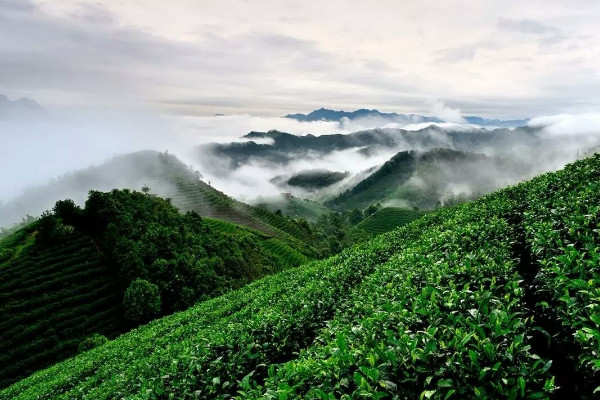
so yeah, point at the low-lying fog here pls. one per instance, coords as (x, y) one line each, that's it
(35, 152)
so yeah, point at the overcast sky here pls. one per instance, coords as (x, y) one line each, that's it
(493, 58)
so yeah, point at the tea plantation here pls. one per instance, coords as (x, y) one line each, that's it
(498, 298)
(387, 219)
(64, 277)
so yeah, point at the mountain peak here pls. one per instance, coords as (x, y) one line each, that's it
(20, 108)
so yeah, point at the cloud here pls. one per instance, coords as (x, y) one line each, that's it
(526, 26)
(448, 114)
(569, 125)
(272, 60)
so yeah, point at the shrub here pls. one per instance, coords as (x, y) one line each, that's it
(92, 342)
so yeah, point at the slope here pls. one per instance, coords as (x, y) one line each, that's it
(167, 177)
(293, 207)
(492, 299)
(63, 278)
(420, 179)
(284, 148)
(387, 219)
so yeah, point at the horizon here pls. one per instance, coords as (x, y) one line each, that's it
(492, 59)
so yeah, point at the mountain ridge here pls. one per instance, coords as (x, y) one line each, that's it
(324, 114)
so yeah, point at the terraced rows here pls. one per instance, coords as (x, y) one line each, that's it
(286, 256)
(499, 298)
(387, 219)
(191, 194)
(51, 297)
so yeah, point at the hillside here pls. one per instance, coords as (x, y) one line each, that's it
(423, 179)
(293, 207)
(497, 298)
(387, 219)
(64, 277)
(167, 177)
(284, 148)
(22, 108)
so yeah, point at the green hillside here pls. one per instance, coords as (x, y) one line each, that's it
(387, 219)
(424, 179)
(498, 298)
(294, 207)
(63, 278)
(166, 176)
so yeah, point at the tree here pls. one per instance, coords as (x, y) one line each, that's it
(68, 211)
(47, 227)
(142, 301)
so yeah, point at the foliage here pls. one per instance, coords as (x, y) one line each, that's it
(316, 179)
(92, 342)
(64, 277)
(387, 219)
(4, 232)
(141, 301)
(335, 231)
(498, 298)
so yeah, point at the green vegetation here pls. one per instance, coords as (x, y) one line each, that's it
(166, 176)
(4, 232)
(142, 301)
(124, 259)
(92, 342)
(316, 179)
(294, 207)
(387, 219)
(422, 179)
(52, 295)
(498, 298)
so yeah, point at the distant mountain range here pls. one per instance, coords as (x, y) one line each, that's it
(21, 108)
(324, 114)
(286, 148)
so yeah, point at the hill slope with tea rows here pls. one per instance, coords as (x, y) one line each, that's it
(63, 278)
(498, 298)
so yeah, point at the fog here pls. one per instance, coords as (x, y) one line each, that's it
(552, 142)
(38, 151)
(33, 151)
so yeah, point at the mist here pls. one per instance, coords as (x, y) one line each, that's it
(37, 152)
(547, 144)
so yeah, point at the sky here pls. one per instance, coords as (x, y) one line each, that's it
(493, 58)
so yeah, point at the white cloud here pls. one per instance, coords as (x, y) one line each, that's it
(273, 58)
(569, 124)
(448, 114)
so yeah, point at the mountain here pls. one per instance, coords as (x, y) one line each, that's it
(284, 155)
(510, 123)
(428, 179)
(166, 176)
(324, 114)
(293, 206)
(21, 108)
(495, 298)
(286, 147)
(65, 278)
